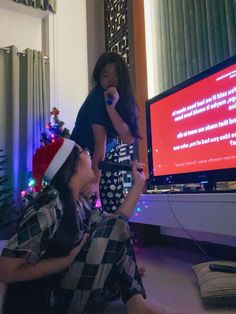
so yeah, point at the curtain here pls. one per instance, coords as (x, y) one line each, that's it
(24, 109)
(187, 36)
(50, 5)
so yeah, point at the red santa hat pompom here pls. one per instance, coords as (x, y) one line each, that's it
(48, 160)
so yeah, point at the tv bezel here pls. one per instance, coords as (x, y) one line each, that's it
(208, 176)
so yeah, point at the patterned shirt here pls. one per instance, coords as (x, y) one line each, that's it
(39, 224)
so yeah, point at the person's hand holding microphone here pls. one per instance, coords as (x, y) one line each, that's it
(111, 97)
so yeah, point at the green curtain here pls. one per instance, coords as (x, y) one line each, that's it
(50, 5)
(190, 36)
(24, 109)
(9, 110)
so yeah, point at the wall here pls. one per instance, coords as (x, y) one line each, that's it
(95, 33)
(68, 55)
(19, 27)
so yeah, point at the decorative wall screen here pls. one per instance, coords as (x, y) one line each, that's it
(116, 27)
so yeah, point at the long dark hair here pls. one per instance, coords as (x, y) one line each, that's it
(62, 242)
(127, 105)
(68, 225)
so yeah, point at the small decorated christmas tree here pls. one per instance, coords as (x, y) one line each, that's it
(54, 128)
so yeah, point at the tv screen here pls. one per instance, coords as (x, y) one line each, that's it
(191, 129)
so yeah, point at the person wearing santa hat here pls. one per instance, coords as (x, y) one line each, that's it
(67, 257)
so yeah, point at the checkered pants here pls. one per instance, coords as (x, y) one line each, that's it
(106, 265)
(111, 185)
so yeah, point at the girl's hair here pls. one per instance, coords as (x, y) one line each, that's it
(126, 106)
(61, 183)
(68, 225)
(61, 243)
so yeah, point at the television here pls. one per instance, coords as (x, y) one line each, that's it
(191, 129)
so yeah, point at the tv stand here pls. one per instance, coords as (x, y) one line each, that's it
(188, 191)
(209, 186)
(208, 213)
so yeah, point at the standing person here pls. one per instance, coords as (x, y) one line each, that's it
(108, 116)
(67, 257)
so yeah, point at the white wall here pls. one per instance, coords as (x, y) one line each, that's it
(19, 28)
(95, 33)
(69, 70)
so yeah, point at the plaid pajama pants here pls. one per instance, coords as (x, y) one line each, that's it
(106, 265)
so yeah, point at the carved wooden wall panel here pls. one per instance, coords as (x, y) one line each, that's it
(116, 27)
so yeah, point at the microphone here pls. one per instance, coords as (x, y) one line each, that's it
(109, 99)
(115, 166)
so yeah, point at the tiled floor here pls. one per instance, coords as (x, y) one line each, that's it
(169, 279)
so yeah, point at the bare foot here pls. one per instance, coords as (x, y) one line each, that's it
(138, 305)
(141, 270)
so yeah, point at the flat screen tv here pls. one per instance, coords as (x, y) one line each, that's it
(191, 129)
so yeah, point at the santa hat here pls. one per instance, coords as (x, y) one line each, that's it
(48, 159)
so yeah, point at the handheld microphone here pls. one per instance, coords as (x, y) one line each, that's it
(115, 166)
(109, 99)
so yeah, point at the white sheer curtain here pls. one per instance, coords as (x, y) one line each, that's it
(184, 37)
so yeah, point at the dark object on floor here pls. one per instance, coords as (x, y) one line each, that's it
(145, 235)
(222, 268)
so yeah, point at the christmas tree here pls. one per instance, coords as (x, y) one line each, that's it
(55, 128)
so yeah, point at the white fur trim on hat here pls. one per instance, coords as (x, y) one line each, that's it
(59, 158)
